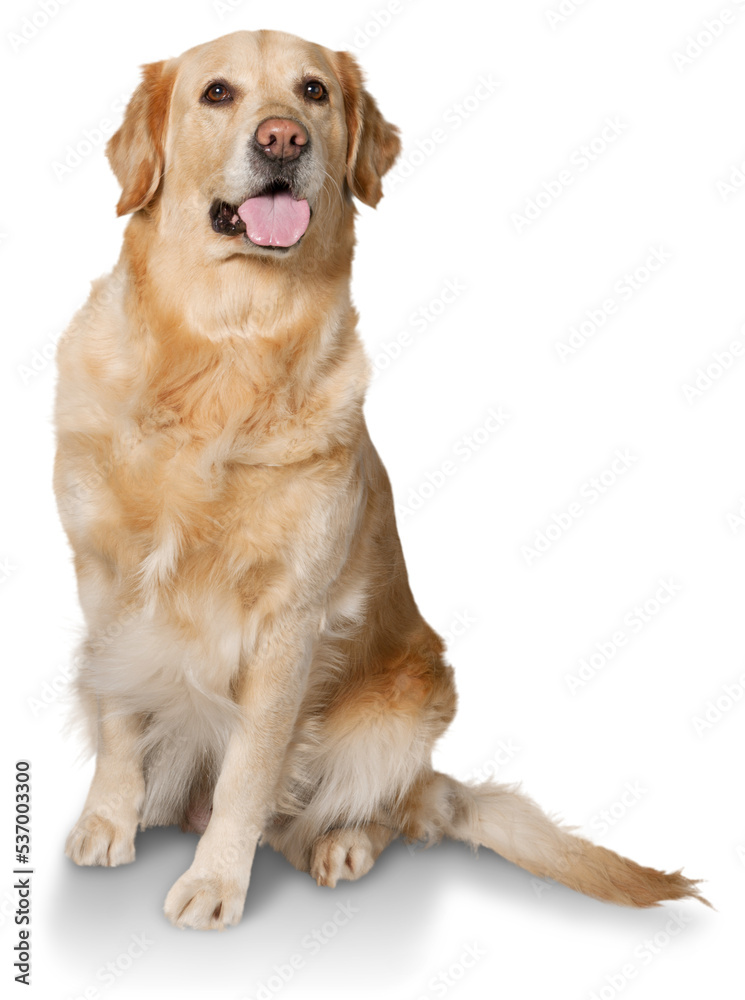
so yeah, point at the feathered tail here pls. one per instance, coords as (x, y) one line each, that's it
(501, 818)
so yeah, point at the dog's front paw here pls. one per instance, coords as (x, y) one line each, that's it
(95, 840)
(205, 901)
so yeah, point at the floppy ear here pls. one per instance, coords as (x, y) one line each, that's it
(136, 151)
(373, 143)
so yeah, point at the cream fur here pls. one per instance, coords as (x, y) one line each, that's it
(253, 645)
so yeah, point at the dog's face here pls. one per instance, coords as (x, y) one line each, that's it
(254, 143)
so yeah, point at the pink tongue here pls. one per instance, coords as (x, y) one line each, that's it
(275, 220)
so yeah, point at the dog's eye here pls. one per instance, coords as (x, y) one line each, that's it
(216, 93)
(315, 90)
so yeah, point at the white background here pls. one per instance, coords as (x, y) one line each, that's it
(625, 741)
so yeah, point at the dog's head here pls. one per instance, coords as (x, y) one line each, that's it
(251, 141)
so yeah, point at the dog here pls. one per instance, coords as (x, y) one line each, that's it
(255, 667)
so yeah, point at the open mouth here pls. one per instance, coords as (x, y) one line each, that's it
(274, 219)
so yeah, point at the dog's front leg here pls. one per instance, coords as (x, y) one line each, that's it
(212, 893)
(105, 832)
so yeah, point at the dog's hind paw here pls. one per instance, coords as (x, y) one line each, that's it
(345, 853)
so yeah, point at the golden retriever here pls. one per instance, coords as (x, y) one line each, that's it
(255, 666)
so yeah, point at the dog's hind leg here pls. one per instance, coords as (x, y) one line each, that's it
(348, 852)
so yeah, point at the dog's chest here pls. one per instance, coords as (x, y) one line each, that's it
(196, 467)
(169, 481)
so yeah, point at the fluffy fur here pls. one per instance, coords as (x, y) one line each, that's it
(256, 666)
